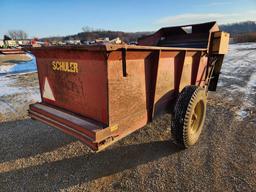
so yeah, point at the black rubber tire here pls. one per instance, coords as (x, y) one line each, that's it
(180, 113)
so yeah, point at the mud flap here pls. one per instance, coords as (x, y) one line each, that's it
(216, 72)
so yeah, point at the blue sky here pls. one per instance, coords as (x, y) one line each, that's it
(42, 18)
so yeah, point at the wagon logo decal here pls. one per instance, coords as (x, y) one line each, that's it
(47, 92)
(65, 66)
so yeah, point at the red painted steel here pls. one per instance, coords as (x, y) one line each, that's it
(11, 51)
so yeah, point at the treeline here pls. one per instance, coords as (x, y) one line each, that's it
(244, 37)
(241, 32)
(238, 28)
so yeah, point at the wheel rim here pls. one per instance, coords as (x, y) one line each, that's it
(197, 117)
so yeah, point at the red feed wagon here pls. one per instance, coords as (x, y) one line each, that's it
(101, 93)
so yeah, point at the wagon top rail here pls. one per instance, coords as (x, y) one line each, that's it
(113, 47)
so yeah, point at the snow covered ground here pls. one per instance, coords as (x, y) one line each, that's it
(18, 86)
(238, 78)
(21, 67)
(17, 91)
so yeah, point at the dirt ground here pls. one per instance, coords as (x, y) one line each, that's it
(10, 59)
(36, 157)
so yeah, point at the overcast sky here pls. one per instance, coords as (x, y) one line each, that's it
(41, 18)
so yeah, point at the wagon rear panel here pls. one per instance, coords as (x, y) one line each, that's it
(74, 80)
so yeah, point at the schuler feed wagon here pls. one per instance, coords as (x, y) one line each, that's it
(101, 93)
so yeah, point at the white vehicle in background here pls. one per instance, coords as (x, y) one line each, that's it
(11, 43)
(73, 42)
(1, 43)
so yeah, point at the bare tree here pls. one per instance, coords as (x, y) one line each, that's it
(17, 34)
(91, 29)
(87, 29)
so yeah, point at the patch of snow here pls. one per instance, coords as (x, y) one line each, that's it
(6, 68)
(242, 114)
(7, 88)
(220, 84)
(249, 99)
(6, 108)
(30, 56)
